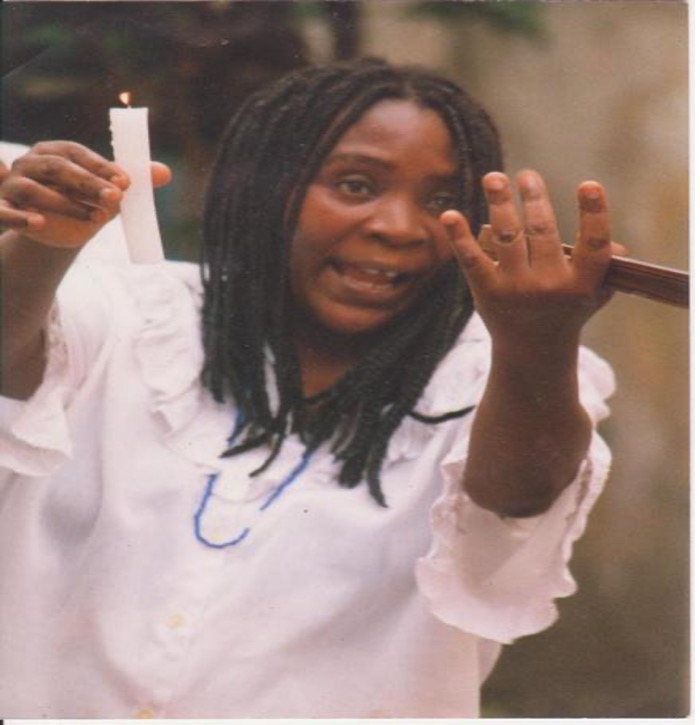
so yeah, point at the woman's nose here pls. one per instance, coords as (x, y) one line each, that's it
(398, 221)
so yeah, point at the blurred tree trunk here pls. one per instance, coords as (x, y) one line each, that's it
(343, 18)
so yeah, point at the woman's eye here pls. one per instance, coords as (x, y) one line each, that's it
(355, 187)
(442, 202)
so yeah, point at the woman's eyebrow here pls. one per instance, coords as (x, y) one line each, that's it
(452, 177)
(355, 158)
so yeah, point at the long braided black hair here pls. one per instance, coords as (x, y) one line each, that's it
(267, 157)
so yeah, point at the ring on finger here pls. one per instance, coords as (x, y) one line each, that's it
(508, 236)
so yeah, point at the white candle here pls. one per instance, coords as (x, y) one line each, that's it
(138, 209)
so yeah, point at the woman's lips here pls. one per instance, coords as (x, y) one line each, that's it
(371, 278)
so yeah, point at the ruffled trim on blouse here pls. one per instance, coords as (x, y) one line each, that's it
(498, 577)
(34, 439)
(170, 358)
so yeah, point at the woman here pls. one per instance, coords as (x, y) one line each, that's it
(181, 546)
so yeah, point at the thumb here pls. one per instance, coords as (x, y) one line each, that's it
(475, 264)
(160, 174)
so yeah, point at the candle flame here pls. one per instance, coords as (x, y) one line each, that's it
(125, 98)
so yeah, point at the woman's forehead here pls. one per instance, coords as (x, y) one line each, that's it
(394, 126)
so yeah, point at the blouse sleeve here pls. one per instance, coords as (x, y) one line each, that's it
(498, 577)
(112, 323)
(34, 434)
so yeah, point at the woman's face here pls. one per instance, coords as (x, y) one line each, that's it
(369, 241)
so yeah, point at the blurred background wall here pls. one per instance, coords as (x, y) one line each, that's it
(580, 90)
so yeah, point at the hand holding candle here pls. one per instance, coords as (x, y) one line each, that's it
(138, 211)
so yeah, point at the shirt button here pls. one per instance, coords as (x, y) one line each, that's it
(175, 621)
(144, 714)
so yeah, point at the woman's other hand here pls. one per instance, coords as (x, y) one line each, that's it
(530, 432)
(532, 293)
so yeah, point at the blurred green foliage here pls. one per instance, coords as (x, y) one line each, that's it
(191, 63)
(507, 16)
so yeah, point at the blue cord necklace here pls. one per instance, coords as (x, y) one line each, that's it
(211, 484)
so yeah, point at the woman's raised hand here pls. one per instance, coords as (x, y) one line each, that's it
(61, 193)
(532, 293)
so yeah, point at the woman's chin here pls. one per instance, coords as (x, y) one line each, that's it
(342, 323)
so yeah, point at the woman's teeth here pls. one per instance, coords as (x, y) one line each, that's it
(379, 273)
(371, 276)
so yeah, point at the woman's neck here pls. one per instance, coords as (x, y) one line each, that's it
(325, 357)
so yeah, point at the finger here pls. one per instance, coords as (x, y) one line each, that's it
(84, 157)
(509, 241)
(18, 219)
(593, 248)
(27, 194)
(618, 250)
(544, 242)
(62, 174)
(477, 267)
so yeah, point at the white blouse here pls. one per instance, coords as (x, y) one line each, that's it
(142, 575)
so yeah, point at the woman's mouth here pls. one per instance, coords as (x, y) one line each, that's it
(371, 278)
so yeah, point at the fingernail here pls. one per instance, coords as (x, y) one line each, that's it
(120, 182)
(110, 194)
(496, 183)
(592, 199)
(529, 187)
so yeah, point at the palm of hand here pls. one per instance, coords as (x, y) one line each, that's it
(531, 292)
